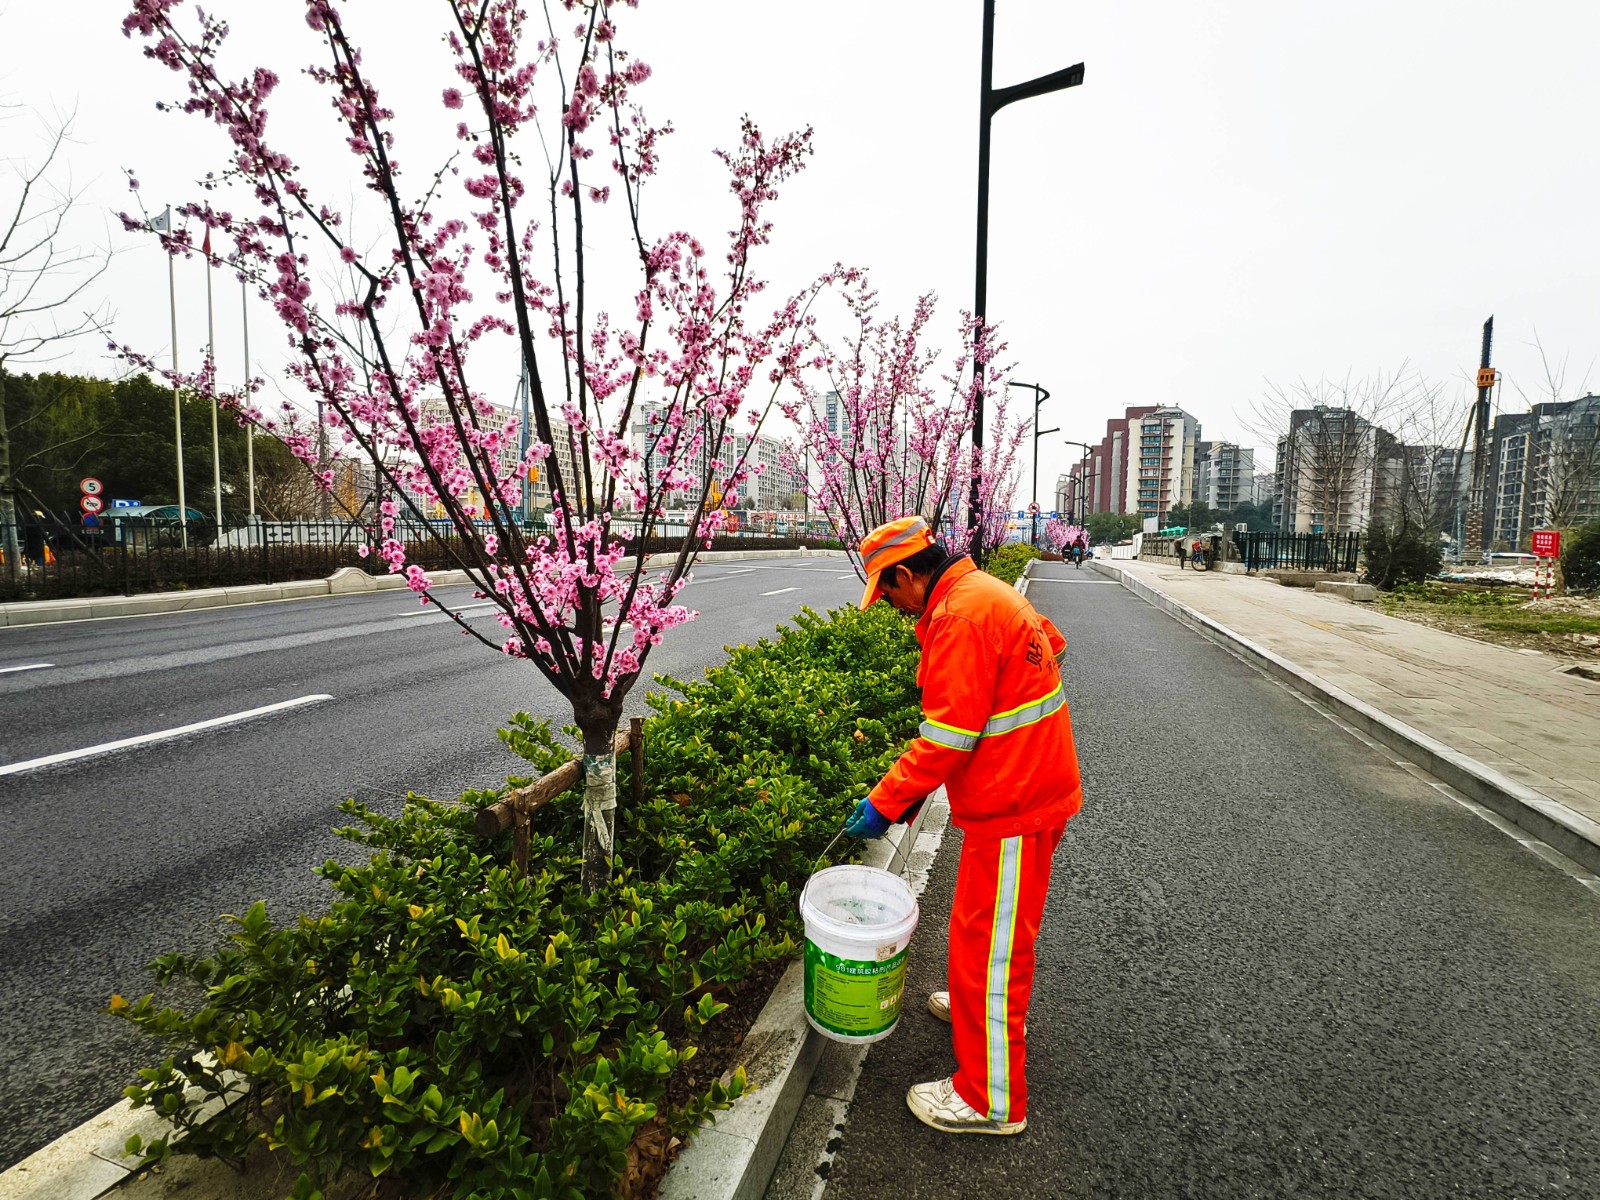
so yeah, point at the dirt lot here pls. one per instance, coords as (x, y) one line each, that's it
(1563, 626)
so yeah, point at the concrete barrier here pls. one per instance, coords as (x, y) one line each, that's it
(1363, 592)
(343, 582)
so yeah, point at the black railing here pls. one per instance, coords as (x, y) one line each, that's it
(46, 560)
(1298, 551)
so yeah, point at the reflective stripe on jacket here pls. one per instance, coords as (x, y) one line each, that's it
(996, 731)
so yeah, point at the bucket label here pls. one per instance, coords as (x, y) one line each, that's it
(852, 997)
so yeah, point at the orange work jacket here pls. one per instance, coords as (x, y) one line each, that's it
(996, 731)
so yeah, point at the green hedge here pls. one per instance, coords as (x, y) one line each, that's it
(1010, 560)
(481, 1035)
(1580, 559)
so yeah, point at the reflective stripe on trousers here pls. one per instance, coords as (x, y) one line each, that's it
(1000, 892)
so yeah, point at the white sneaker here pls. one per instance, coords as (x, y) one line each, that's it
(937, 1105)
(939, 1006)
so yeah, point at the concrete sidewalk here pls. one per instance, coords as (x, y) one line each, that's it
(1509, 722)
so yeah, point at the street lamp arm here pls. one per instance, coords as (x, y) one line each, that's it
(998, 98)
(1040, 395)
(1042, 432)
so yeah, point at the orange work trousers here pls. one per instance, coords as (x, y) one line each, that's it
(1000, 891)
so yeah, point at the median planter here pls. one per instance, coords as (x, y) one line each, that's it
(459, 1027)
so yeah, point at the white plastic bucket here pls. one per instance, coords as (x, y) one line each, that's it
(858, 922)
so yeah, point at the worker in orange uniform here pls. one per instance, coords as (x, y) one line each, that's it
(997, 735)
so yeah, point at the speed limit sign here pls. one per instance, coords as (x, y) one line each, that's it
(91, 487)
(92, 504)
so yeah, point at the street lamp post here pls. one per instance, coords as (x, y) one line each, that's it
(990, 101)
(1080, 498)
(1039, 397)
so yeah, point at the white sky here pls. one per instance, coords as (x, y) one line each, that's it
(1240, 193)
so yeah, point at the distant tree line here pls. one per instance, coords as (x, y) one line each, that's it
(58, 429)
(1199, 515)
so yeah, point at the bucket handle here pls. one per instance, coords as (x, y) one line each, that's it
(905, 862)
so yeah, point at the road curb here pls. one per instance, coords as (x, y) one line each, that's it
(733, 1156)
(88, 1162)
(1554, 823)
(344, 581)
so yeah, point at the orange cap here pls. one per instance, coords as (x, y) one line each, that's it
(889, 544)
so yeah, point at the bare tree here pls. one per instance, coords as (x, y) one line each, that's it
(1562, 487)
(43, 279)
(1337, 444)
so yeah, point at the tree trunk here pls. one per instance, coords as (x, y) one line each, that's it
(8, 503)
(599, 802)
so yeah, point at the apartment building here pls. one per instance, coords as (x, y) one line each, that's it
(1331, 464)
(1224, 475)
(1544, 470)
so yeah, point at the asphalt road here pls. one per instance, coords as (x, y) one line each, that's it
(112, 859)
(1273, 964)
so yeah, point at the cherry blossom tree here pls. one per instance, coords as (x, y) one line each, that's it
(1058, 533)
(493, 253)
(882, 429)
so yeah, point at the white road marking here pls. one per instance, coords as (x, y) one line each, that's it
(776, 567)
(26, 667)
(434, 611)
(160, 736)
(780, 591)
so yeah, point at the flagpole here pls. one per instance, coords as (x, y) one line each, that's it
(250, 427)
(177, 403)
(211, 362)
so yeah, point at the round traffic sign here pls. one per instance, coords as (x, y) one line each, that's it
(1034, 509)
(92, 504)
(91, 487)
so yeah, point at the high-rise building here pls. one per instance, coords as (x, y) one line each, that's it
(1224, 475)
(1166, 444)
(1332, 464)
(1544, 470)
(769, 488)
(563, 452)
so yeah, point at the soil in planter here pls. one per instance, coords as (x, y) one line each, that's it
(653, 1150)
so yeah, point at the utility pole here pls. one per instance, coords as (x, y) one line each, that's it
(990, 101)
(1478, 427)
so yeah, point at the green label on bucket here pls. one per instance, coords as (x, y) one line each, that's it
(851, 997)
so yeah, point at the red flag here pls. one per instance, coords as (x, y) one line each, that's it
(205, 247)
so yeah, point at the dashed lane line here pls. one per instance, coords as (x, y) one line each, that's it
(780, 591)
(25, 667)
(162, 735)
(432, 610)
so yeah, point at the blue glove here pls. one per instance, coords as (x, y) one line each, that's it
(867, 822)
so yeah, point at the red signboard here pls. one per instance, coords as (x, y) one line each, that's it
(1547, 543)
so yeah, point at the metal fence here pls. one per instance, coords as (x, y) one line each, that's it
(1298, 551)
(48, 560)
